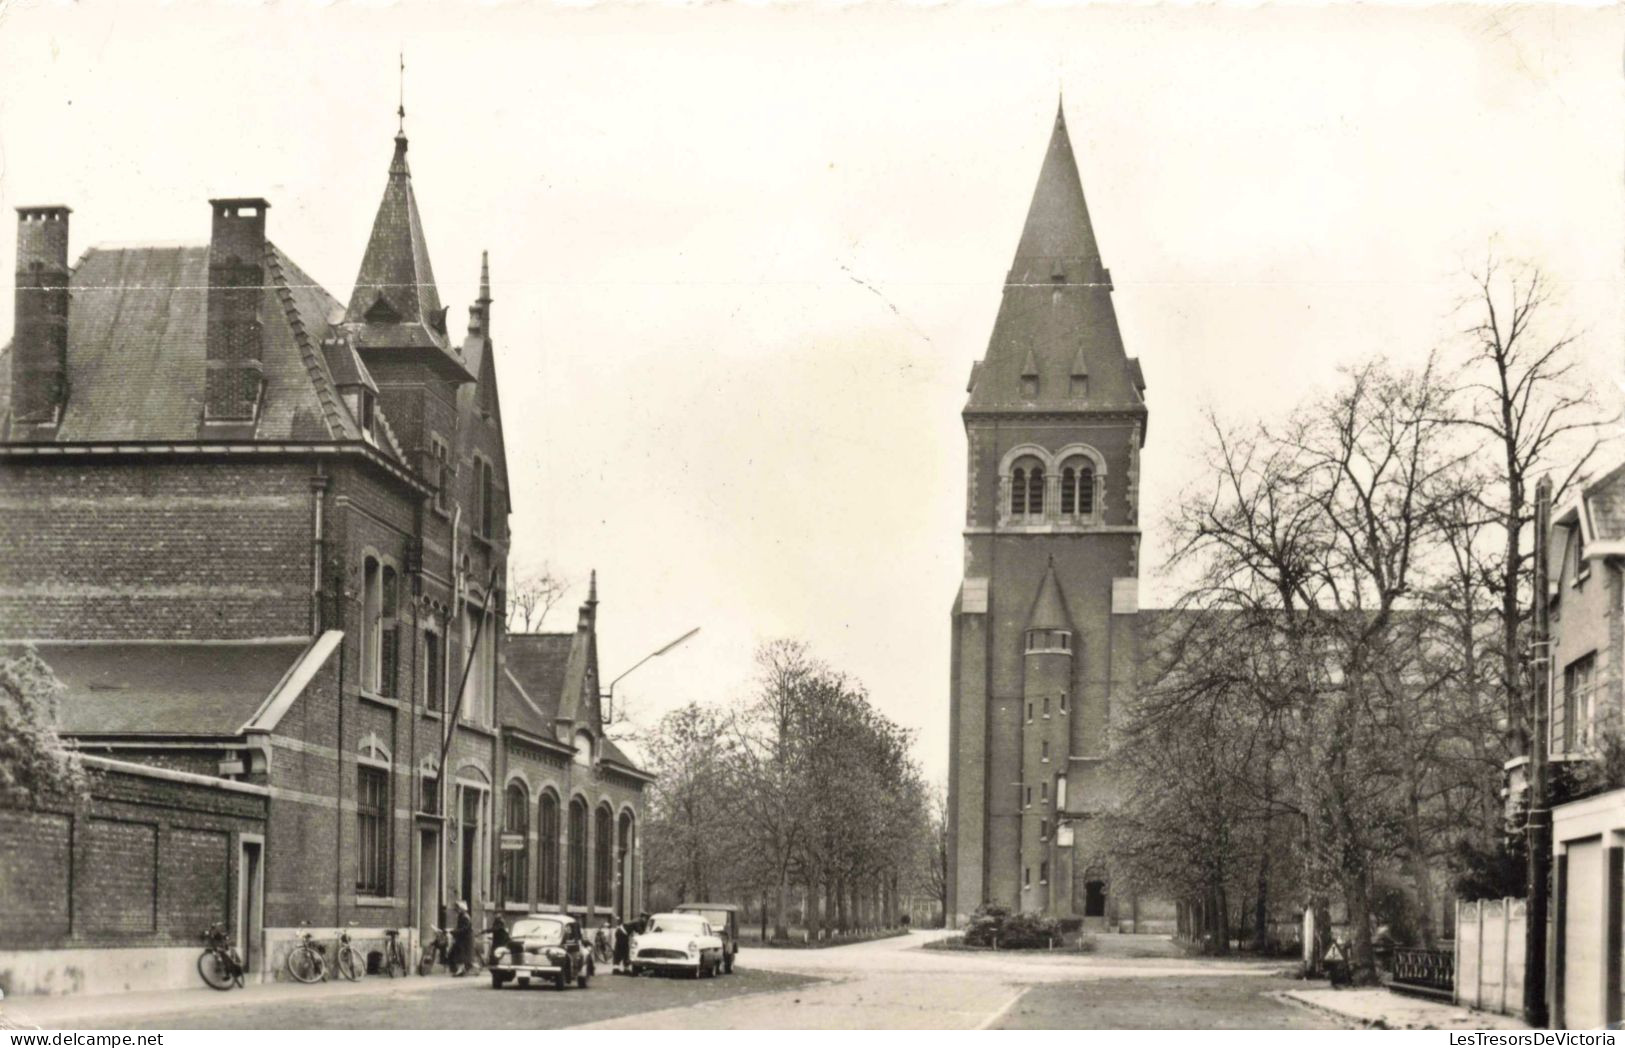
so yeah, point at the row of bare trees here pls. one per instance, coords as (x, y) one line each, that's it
(1337, 692)
(803, 798)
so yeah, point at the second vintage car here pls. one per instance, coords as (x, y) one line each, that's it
(677, 942)
(543, 948)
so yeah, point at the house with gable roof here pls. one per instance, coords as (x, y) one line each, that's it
(261, 535)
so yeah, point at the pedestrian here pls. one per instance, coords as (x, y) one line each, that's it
(623, 946)
(462, 942)
(499, 938)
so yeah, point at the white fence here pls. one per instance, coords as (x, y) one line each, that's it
(1489, 955)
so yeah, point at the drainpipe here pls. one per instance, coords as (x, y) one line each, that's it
(338, 791)
(318, 491)
(447, 724)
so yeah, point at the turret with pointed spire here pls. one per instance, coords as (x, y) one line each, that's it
(395, 307)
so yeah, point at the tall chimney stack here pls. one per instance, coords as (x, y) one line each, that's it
(234, 353)
(39, 359)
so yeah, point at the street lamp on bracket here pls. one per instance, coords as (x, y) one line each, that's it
(608, 696)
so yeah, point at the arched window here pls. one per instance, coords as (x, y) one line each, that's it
(623, 864)
(603, 841)
(388, 638)
(1018, 492)
(371, 610)
(516, 864)
(577, 845)
(1035, 492)
(1078, 488)
(547, 883)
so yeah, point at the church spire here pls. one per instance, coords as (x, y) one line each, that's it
(1055, 344)
(1058, 236)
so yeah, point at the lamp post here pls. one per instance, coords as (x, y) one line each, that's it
(1538, 826)
(609, 693)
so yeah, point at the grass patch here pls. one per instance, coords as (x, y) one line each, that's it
(797, 940)
(1083, 944)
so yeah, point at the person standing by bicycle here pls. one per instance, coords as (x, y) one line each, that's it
(462, 942)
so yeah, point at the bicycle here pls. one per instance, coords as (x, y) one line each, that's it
(436, 950)
(307, 962)
(352, 963)
(394, 959)
(219, 964)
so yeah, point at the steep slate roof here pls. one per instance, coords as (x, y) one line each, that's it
(396, 304)
(172, 688)
(1056, 289)
(136, 349)
(542, 669)
(538, 663)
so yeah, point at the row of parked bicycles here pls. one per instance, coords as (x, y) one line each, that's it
(221, 966)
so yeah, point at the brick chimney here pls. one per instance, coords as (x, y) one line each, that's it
(39, 358)
(234, 352)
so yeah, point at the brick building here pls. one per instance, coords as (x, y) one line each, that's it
(1046, 626)
(261, 534)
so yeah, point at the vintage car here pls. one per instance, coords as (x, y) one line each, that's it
(724, 920)
(677, 942)
(543, 947)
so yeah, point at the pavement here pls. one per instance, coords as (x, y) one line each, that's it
(1127, 982)
(1380, 1009)
(380, 1003)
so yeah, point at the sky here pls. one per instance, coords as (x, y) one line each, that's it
(743, 257)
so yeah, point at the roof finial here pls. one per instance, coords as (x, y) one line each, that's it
(592, 588)
(400, 108)
(485, 276)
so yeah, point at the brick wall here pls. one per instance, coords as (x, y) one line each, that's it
(143, 862)
(134, 549)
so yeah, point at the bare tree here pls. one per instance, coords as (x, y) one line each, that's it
(1522, 392)
(532, 593)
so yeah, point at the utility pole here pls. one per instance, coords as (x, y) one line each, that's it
(1539, 824)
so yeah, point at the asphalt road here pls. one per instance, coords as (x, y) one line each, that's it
(1131, 981)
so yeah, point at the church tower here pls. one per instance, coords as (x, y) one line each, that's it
(1045, 634)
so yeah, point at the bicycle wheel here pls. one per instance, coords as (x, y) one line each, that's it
(351, 964)
(215, 968)
(303, 965)
(236, 967)
(396, 963)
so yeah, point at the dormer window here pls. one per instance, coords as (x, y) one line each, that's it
(369, 416)
(583, 744)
